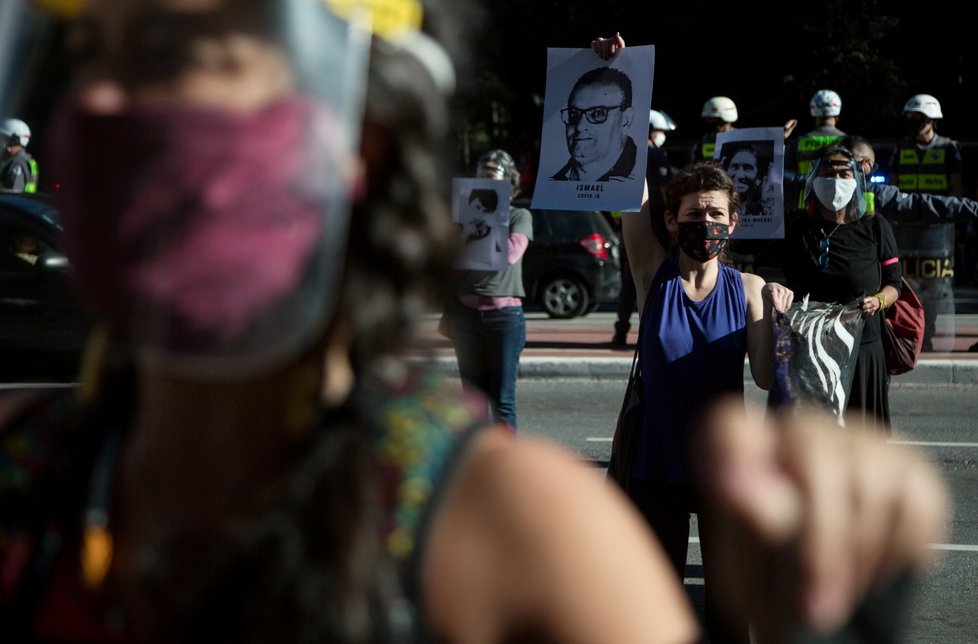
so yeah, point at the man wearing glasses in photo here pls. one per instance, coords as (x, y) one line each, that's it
(596, 121)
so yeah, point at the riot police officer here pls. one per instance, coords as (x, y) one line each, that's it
(925, 161)
(825, 107)
(18, 169)
(718, 114)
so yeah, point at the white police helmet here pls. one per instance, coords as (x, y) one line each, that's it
(720, 107)
(661, 121)
(825, 102)
(16, 128)
(925, 104)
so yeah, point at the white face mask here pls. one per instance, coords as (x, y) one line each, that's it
(834, 194)
(658, 139)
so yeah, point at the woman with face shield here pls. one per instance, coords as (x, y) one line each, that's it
(838, 253)
(250, 456)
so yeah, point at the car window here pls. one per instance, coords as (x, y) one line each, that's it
(565, 224)
(20, 250)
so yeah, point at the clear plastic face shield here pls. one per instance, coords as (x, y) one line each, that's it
(205, 153)
(831, 167)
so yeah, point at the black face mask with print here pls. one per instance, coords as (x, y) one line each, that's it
(702, 240)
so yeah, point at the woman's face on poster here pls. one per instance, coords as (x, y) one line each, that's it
(743, 168)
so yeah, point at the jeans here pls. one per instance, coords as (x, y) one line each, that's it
(488, 346)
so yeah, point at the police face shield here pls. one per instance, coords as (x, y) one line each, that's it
(204, 154)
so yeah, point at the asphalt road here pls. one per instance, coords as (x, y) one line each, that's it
(941, 420)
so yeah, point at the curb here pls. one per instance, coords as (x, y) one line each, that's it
(927, 372)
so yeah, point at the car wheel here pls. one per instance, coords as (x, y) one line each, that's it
(564, 297)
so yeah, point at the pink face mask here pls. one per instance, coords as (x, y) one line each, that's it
(184, 226)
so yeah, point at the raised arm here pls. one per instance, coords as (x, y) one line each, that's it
(922, 207)
(645, 253)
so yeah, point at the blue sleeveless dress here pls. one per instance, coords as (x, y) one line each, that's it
(691, 353)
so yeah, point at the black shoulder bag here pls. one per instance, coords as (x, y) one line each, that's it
(626, 430)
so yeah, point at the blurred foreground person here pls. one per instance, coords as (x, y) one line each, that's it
(248, 458)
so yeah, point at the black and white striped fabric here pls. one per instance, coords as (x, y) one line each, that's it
(815, 347)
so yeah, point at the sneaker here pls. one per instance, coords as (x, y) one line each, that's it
(973, 348)
(619, 339)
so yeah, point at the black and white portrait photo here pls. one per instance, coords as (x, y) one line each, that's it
(594, 128)
(596, 120)
(754, 159)
(480, 207)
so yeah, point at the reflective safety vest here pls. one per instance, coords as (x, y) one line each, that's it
(705, 147)
(923, 171)
(808, 147)
(30, 185)
(869, 200)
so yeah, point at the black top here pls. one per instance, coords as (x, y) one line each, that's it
(854, 261)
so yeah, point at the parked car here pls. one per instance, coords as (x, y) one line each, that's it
(43, 329)
(573, 263)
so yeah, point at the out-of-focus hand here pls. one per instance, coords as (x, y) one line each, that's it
(608, 47)
(789, 127)
(811, 517)
(778, 295)
(475, 229)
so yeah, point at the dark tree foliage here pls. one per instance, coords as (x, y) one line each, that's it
(768, 57)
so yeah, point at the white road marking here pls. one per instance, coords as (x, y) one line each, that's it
(950, 547)
(955, 547)
(933, 443)
(598, 439)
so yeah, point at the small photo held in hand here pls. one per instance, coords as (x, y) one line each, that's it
(480, 207)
